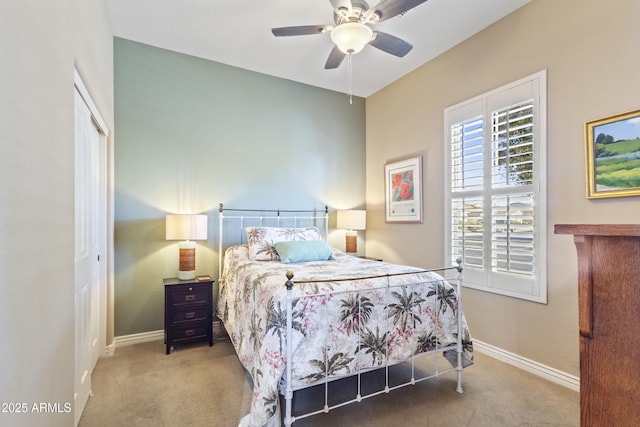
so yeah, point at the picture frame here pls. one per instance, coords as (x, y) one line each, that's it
(403, 190)
(613, 156)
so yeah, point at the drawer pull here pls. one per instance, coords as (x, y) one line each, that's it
(190, 297)
(190, 315)
(189, 332)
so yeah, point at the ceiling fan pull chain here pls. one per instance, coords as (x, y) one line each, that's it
(349, 89)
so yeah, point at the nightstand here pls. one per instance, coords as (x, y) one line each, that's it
(188, 311)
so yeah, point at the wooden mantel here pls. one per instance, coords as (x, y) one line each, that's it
(609, 322)
(598, 229)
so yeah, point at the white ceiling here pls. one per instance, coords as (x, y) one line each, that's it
(238, 33)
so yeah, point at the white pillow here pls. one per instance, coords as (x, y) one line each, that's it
(262, 239)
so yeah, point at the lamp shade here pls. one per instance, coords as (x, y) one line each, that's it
(352, 219)
(351, 37)
(186, 227)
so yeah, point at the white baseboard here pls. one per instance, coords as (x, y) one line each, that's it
(551, 374)
(138, 338)
(147, 337)
(110, 349)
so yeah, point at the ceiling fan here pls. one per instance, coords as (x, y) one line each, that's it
(351, 32)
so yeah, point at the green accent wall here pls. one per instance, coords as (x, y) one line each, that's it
(191, 134)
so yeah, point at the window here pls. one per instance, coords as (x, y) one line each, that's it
(496, 189)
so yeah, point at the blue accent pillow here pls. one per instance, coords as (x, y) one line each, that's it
(303, 250)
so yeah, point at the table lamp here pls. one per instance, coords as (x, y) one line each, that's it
(187, 228)
(352, 220)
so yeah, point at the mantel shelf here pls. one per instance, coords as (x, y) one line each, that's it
(598, 229)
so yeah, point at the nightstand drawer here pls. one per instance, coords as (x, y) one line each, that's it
(200, 312)
(191, 332)
(189, 295)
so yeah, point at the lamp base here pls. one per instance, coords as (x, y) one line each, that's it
(187, 269)
(186, 275)
(351, 243)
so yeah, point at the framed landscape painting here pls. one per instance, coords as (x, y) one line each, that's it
(403, 185)
(613, 156)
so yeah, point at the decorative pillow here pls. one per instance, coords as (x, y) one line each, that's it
(262, 239)
(303, 250)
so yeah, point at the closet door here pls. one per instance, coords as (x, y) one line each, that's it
(87, 243)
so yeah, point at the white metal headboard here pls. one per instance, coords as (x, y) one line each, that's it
(265, 218)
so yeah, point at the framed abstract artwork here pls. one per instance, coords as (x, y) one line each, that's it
(403, 190)
(613, 156)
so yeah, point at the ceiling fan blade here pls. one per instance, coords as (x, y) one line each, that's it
(335, 59)
(302, 30)
(390, 44)
(387, 9)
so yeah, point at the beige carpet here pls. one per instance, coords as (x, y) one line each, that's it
(206, 386)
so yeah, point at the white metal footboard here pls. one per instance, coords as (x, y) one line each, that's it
(289, 389)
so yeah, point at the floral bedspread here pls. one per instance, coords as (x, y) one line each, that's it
(337, 330)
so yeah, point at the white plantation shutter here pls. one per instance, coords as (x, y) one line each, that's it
(512, 233)
(467, 177)
(512, 215)
(512, 145)
(496, 187)
(467, 156)
(467, 231)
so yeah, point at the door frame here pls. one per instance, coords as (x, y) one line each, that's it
(105, 218)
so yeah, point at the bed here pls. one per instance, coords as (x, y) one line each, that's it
(302, 314)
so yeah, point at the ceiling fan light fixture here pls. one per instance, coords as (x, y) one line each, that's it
(351, 37)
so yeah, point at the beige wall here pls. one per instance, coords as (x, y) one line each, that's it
(590, 51)
(40, 42)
